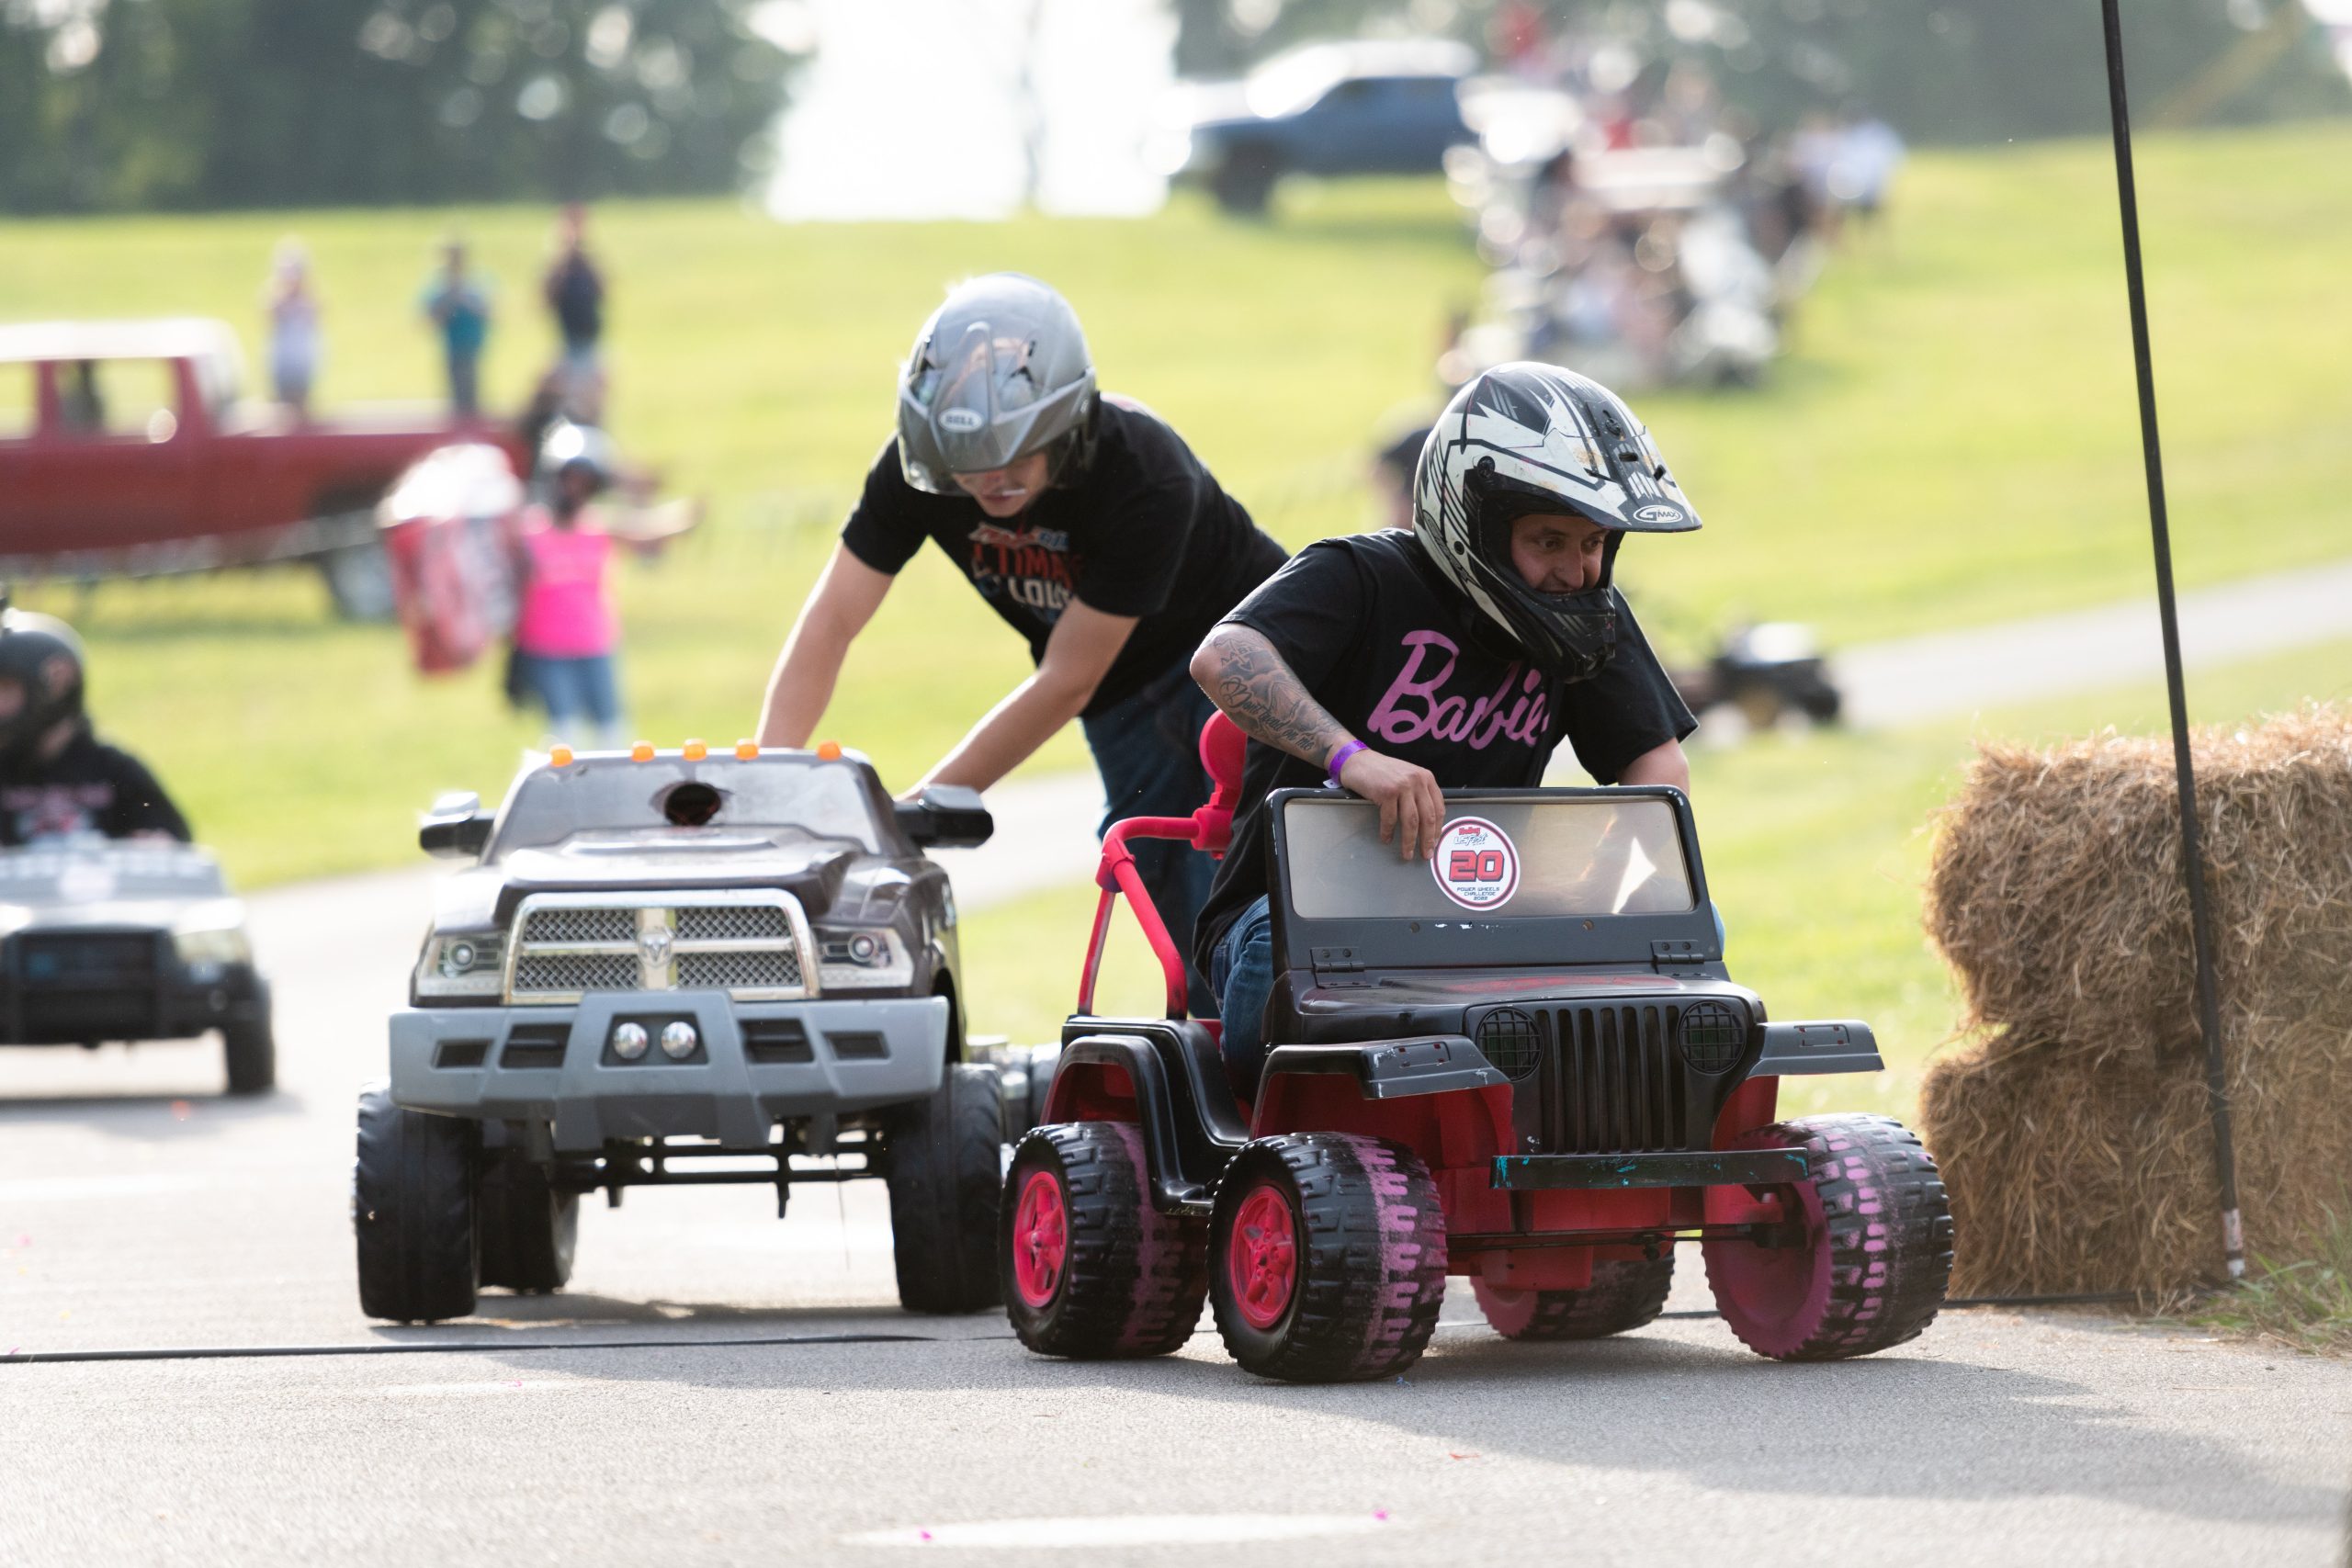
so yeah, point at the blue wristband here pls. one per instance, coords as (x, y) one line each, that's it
(1339, 759)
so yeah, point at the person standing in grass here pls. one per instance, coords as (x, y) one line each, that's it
(567, 636)
(458, 303)
(294, 341)
(575, 290)
(1089, 528)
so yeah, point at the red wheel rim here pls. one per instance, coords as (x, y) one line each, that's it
(1040, 1239)
(1261, 1258)
(1778, 1296)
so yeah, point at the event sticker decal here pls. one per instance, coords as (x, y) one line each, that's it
(1477, 864)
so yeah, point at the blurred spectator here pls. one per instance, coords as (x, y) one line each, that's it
(1869, 152)
(294, 341)
(575, 293)
(567, 634)
(79, 404)
(458, 304)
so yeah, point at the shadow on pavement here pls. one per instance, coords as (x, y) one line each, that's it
(1907, 1425)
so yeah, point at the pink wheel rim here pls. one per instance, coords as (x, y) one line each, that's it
(1040, 1239)
(1777, 1297)
(1261, 1258)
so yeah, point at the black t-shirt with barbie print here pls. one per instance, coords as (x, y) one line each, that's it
(1406, 665)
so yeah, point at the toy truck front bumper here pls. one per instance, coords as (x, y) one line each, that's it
(756, 1062)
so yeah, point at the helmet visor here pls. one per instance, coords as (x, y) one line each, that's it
(978, 405)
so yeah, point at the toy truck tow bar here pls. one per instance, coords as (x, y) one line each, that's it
(1523, 1062)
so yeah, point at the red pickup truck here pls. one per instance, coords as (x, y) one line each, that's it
(126, 451)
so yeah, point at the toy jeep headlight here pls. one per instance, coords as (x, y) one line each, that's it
(463, 965)
(213, 935)
(861, 957)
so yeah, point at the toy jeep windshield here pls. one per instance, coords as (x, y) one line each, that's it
(657, 964)
(1522, 1061)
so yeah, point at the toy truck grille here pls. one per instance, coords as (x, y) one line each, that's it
(1629, 1078)
(749, 945)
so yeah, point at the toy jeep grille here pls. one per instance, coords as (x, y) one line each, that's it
(736, 922)
(576, 972)
(1622, 1083)
(738, 971)
(569, 946)
(1642, 1076)
(614, 924)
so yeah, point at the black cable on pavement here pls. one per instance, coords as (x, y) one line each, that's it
(451, 1346)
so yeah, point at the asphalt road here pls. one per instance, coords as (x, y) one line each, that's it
(140, 1210)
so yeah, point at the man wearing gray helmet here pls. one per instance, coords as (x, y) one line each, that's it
(1087, 524)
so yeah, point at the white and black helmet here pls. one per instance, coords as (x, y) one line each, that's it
(583, 447)
(1528, 438)
(1000, 370)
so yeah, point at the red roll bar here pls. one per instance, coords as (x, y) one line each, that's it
(1210, 830)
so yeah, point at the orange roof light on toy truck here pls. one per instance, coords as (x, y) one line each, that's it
(695, 752)
(829, 751)
(642, 752)
(746, 749)
(560, 757)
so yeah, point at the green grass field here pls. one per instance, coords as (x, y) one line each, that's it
(1952, 441)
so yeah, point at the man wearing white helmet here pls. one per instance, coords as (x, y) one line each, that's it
(1087, 524)
(1456, 654)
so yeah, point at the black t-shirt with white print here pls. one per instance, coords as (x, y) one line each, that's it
(1146, 531)
(88, 788)
(1406, 665)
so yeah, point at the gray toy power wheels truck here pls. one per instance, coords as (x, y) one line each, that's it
(659, 962)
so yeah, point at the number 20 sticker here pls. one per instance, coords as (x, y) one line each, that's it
(1476, 864)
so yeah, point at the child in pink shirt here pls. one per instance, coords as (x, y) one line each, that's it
(565, 631)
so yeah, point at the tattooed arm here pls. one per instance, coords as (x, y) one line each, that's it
(1248, 679)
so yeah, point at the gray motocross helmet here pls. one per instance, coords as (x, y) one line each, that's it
(1527, 437)
(1000, 370)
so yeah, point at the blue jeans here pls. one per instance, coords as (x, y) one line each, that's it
(1242, 970)
(573, 690)
(1148, 748)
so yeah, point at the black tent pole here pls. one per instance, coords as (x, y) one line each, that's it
(2192, 853)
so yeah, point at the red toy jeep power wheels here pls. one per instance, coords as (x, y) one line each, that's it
(1522, 1063)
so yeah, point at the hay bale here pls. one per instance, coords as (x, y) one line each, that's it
(2071, 1127)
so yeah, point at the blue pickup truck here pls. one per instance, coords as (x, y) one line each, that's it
(1372, 108)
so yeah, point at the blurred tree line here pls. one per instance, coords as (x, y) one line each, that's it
(117, 105)
(1950, 71)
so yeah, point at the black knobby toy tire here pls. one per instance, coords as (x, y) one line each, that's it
(249, 1050)
(1872, 1266)
(528, 1229)
(1626, 1293)
(945, 1170)
(1129, 1279)
(1370, 1269)
(412, 1206)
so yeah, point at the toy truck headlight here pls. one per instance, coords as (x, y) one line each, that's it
(464, 965)
(211, 936)
(854, 958)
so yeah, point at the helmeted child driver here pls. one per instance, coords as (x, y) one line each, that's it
(1455, 655)
(1087, 524)
(56, 778)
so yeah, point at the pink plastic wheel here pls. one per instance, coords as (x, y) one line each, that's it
(1040, 1239)
(1261, 1260)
